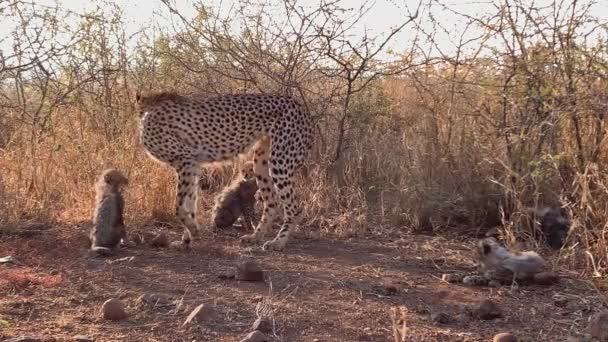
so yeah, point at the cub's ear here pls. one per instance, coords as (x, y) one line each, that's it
(486, 249)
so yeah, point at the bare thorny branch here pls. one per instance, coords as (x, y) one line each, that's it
(308, 44)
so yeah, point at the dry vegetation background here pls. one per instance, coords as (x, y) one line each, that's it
(461, 140)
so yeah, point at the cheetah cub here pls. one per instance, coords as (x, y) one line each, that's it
(108, 225)
(499, 266)
(237, 200)
(498, 263)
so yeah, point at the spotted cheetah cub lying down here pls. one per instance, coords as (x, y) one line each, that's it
(237, 200)
(499, 266)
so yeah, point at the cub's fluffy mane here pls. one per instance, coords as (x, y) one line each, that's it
(156, 98)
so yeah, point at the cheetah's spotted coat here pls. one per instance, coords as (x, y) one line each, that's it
(186, 132)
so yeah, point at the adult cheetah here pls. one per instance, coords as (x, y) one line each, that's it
(187, 132)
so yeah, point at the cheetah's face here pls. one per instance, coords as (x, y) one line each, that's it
(224, 218)
(115, 178)
(555, 228)
(247, 171)
(485, 247)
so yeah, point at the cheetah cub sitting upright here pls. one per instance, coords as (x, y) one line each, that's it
(108, 224)
(237, 200)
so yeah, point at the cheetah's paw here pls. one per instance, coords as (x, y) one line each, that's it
(179, 245)
(128, 244)
(196, 232)
(275, 245)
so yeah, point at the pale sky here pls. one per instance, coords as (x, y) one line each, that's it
(384, 14)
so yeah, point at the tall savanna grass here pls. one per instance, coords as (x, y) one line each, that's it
(459, 143)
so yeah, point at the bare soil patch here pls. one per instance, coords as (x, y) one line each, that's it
(317, 290)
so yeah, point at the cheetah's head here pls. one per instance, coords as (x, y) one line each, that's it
(246, 170)
(114, 177)
(224, 217)
(486, 247)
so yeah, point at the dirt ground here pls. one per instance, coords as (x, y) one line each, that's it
(317, 290)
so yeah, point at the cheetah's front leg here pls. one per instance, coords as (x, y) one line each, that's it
(268, 216)
(247, 217)
(187, 185)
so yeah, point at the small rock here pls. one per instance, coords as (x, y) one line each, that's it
(255, 336)
(24, 339)
(598, 326)
(452, 278)
(504, 337)
(440, 318)
(152, 300)
(262, 324)
(201, 313)
(160, 240)
(248, 270)
(546, 278)
(83, 338)
(113, 310)
(487, 310)
(390, 287)
(228, 274)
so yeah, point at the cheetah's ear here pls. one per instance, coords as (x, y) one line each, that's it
(108, 177)
(137, 96)
(486, 248)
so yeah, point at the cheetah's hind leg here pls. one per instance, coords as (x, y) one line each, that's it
(286, 157)
(291, 211)
(266, 191)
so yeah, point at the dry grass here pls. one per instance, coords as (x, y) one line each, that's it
(458, 144)
(397, 175)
